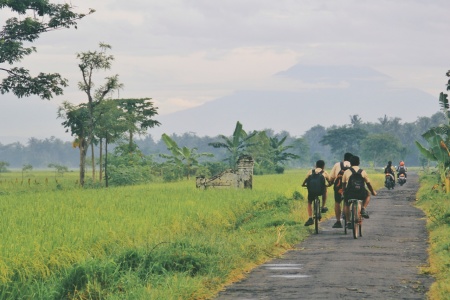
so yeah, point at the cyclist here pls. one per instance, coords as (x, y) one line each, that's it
(389, 169)
(336, 178)
(351, 193)
(401, 169)
(320, 169)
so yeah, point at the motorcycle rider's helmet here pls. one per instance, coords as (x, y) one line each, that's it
(402, 163)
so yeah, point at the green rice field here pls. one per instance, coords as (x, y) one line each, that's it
(154, 241)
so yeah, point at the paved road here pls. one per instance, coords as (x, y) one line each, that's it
(383, 264)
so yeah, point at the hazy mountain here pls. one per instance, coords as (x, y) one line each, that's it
(358, 90)
(293, 100)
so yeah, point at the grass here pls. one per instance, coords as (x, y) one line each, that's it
(436, 205)
(155, 241)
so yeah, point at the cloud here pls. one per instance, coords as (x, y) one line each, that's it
(200, 50)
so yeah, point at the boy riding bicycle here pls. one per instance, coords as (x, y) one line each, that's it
(351, 191)
(321, 190)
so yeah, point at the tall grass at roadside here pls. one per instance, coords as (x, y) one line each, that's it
(436, 205)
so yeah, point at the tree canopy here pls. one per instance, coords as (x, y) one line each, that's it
(34, 18)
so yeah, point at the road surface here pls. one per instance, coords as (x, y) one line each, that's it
(383, 264)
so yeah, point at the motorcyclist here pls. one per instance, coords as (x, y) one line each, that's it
(401, 169)
(389, 169)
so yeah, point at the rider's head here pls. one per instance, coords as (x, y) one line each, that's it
(320, 164)
(347, 156)
(389, 163)
(354, 160)
(402, 163)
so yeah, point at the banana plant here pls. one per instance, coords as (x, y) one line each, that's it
(235, 145)
(185, 158)
(438, 138)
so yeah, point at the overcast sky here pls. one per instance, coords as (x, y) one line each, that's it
(183, 53)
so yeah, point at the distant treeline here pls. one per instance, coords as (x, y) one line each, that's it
(316, 143)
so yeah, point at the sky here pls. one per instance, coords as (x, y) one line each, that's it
(184, 53)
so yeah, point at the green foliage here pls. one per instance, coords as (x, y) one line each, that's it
(45, 17)
(3, 166)
(438, 138)
(125, 168)
(184, 159)
(436, 205)
(59, 169)
(344, 139)
(236, 145)
(270, 154)
(296, 195)
(138, 114)
(380, 148)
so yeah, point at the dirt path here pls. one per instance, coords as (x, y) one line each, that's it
(383, 264)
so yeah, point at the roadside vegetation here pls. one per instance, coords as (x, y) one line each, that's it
(435, 202)
(154, 241)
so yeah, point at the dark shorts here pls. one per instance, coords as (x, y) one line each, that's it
(338, 197)
(363, 197)
(312, 197)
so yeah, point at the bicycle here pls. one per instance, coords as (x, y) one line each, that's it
(355, 217)
(316, 213)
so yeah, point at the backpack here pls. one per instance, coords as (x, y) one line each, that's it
(338, 181)
(401, 170)
(355, 186)
(388, 170)
(315, 184)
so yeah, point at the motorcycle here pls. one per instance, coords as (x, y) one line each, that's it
(401, 179)
(389, 183)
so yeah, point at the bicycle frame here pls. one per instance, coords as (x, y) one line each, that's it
(355, 217)
(316, 213)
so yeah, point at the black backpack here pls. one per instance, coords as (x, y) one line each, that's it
(315, 184)
(338, 181)
(355, 186)
(401, 170)
(388, 170)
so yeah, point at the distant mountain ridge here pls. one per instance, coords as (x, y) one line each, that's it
(367, 94)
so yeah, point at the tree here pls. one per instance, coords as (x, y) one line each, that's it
(270, 153)
(59, 169)
(355, 120)
(344, 139)
(184, 158)
(236, 145)
(139, 114)
(381, 148)
(3, 166)
(111, 124)
(90, 63)
(42, 17)
(316, 149)
(76, 119)
(438, 138)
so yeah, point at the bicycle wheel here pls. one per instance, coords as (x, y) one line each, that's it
(316, 214)
(355, 223)
(344, 220)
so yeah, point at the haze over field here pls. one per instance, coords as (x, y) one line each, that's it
(208, 64)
